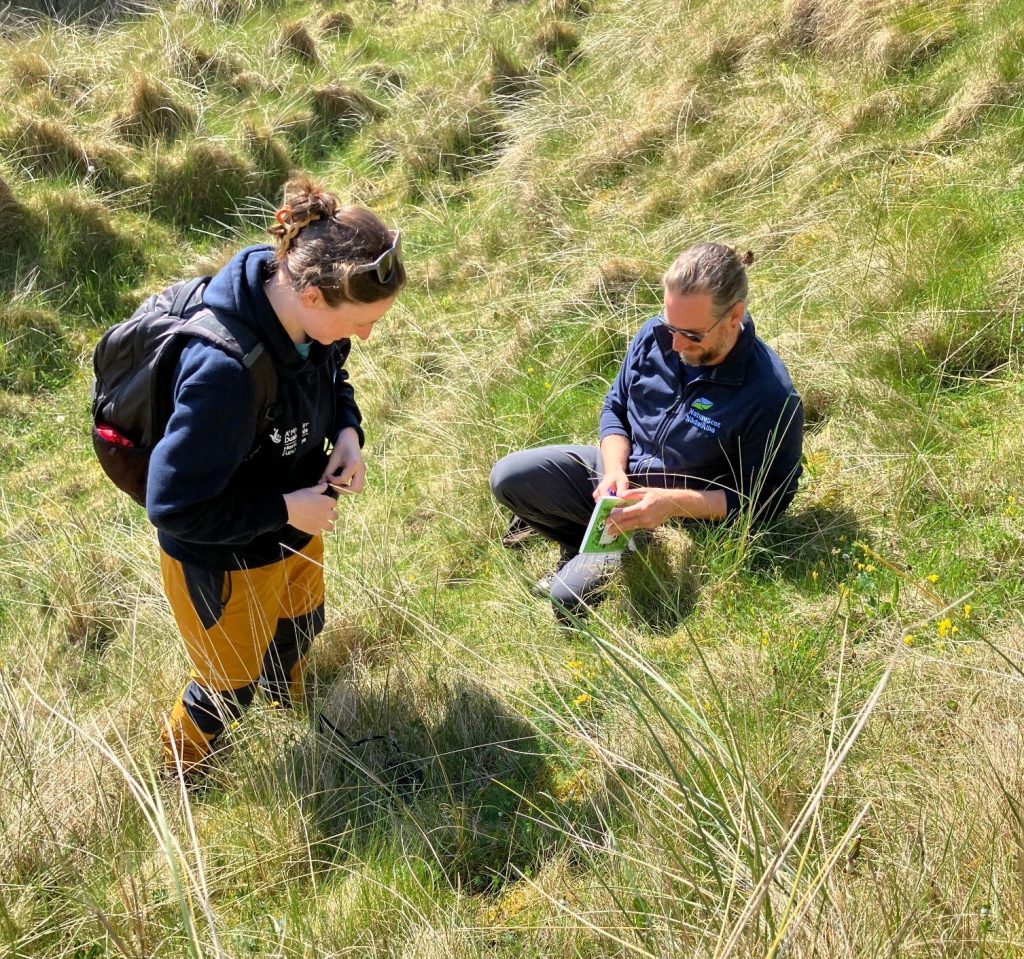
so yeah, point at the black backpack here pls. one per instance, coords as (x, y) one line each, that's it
(134, 363)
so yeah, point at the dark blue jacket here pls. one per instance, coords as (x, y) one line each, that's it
(735, 426)
(217, 476)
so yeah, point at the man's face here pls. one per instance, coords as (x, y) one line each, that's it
(694, 313)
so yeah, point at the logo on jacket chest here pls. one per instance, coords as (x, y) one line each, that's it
(697, 416)
(290, 439)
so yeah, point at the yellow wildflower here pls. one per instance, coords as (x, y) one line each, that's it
(908, 640)
(869, 568)
(933, 577)
(547, 386)
(814, 575)
(582, 699)
(529, 369)
(574, 664)
(968, 608)
(944, 627)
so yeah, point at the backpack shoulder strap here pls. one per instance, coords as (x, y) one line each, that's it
(183, 298)
(242, 343)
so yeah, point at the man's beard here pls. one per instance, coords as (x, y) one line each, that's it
(701, 359)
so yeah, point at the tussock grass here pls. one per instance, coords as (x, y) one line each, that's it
(559, 43)
(340, 108)
(296, 39)
(206, 177)
(451, 136)
(202, 66)
(335, 23)
(154, 112)
(35, 351)
(795, 741)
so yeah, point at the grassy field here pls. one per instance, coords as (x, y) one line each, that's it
(804, 742)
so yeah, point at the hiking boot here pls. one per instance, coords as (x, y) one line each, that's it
(517, 534)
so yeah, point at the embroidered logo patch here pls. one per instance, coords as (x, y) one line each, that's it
(702, 403)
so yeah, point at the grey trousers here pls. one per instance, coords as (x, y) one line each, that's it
(551, 488)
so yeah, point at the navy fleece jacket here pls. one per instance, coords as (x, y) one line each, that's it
(218, 475)
(735, 426)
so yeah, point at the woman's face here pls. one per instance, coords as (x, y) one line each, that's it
(327, 324)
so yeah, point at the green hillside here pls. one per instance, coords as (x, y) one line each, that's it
(807, 741)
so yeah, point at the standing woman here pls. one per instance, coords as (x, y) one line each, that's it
(240, 497)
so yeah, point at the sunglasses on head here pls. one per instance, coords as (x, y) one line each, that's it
(384, 266)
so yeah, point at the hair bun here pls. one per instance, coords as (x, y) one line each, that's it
(747, 258)
(305, 202)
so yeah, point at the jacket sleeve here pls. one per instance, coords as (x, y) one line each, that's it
(192, 493)
(346, 411)
(614, 416)
(767, 464)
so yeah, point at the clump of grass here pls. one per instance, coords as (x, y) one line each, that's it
(725, 54)
(969, 107)
(227, 11)
(249, 83)
(508, 80)
(16, 231)
(270, 156)
(620, 280)
(960, 346)
(153, 112)
(629, 150)
(570, 9)
(45, 146)
(29, 69)
(206, 183)
(382, 78)
(203, 67)
(81, 251)
(34, 352)
(296, 40)
(892, 50)
(558, 43)
(337, 107)
(335, 23)
(450, 137)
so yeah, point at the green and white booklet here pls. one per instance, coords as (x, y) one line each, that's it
(597, 539)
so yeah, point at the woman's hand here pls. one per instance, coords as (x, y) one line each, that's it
(346, 470)
(311, 510)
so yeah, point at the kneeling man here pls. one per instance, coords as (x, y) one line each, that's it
(701, 422)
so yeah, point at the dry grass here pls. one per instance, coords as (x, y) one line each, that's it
(296, 40)
(340, 107)
(206, 179)
(334, 24)
(558, 43)
(153, 112)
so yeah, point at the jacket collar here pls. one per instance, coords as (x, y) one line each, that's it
(733, 369)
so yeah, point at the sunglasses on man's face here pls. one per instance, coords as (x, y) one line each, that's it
(689, 334)
(384, 266)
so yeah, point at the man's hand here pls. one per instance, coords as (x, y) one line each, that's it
(648, 508)
(311, 510)
(345, 468)
(614, 483)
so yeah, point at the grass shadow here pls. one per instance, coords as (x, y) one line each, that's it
(429, 762)
(660, 582)
(800, 545)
